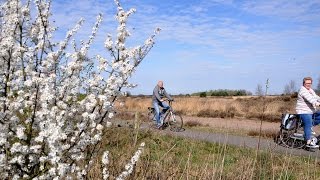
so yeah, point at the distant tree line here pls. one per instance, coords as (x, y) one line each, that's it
(223, 92)
(291, 89)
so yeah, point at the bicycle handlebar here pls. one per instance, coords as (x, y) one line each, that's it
(169, 100)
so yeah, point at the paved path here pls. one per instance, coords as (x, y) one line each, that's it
(241, 141)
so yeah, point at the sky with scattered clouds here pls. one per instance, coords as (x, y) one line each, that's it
(210, 44)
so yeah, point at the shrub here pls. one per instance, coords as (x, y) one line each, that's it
(208, 113)
(230, 111)
(203, 94)
(56, 98)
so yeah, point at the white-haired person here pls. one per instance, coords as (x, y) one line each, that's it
(306, 108)
(159, 96)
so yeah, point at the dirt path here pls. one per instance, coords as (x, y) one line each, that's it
(237, 140)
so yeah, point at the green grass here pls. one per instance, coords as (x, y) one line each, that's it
(169, 157)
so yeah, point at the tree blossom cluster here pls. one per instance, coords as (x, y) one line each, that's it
(128, 167)
(48, 130)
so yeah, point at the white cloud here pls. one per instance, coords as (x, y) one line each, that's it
(295, 10)
(202, 41)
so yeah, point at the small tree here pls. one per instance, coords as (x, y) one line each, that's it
(259, 90)
(290, 88)
(46, 130)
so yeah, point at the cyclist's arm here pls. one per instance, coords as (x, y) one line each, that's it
(308, 97)
(316, 97)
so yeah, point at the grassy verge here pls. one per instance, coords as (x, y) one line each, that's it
(168, 157)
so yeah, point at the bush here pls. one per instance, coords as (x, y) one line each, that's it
(230, 111)
(294, 95)
(203, 94)
(58, 100)
(208, 113)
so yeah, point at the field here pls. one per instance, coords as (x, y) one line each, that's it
(268, 108)
(171, 157)
(239, 115)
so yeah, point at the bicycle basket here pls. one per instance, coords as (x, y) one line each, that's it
(288, 121)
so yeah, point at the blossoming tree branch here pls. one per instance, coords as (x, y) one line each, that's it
(46, 130)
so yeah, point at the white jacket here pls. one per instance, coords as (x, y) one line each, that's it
(306, 102)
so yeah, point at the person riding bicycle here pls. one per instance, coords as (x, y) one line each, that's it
(159, 95)
(306, 105)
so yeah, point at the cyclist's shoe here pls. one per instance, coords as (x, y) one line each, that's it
(312, 145)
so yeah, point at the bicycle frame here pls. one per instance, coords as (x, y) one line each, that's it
(152, 110)
(170, 118)
(291, 132)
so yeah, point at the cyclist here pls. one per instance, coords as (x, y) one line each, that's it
(306, 105)
(159, 95)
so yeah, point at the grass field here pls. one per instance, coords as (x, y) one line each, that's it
(169, 157)
(268, 108)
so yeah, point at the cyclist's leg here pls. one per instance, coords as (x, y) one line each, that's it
(157, 111)
(307, 124)
(165, 107)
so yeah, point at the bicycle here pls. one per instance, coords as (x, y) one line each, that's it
(291, 132)
(170, 119)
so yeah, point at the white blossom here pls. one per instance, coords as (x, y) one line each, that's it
(110, 115)
(58, 99)
(130, 166)
(105, 163)
(28, 82)
(2, 160)
(99, 127)
(20, 132)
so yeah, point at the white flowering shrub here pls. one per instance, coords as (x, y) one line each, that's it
(46, 130)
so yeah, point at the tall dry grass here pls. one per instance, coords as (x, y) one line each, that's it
(250, 107)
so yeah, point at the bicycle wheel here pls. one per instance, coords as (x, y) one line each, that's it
(151, 114)
(175, 122)
(293, 137)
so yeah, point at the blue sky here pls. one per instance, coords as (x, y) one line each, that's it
(210, 44)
